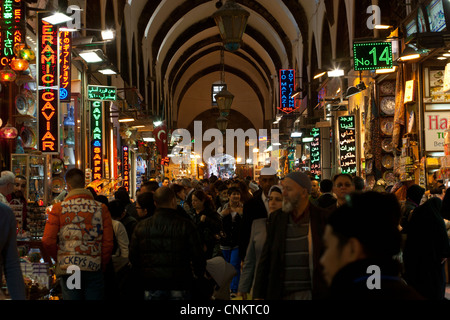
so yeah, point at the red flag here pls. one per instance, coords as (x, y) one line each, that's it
(160, 135)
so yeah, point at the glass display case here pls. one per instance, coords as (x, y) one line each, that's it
(36, 168)
(70, 151)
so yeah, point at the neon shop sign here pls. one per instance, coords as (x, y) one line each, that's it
(126, 168)
(12, 28)
(104, 93)
(97, 139)
(65, 46)
(347, 144)
(287, 86)
(48, 87)
(315, 153)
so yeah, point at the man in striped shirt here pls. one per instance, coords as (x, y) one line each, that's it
(289, 266)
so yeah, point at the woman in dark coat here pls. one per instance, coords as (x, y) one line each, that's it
(208, 223)
(426, 249)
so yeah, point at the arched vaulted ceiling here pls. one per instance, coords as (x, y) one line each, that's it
(181, 48)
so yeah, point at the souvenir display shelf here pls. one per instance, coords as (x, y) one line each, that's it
(36, 168)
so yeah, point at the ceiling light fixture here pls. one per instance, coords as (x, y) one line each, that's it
(335, 73)
(126, 120)
(410, 53)
(57, 18)
(92, 56)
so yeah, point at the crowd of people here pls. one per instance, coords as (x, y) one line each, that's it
(292, 239)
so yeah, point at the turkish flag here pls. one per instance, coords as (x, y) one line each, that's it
(160, 135)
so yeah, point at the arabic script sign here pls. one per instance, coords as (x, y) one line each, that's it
(103, 93)
(347, 144)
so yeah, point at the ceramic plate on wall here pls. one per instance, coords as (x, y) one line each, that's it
(387, 145)
(21, 104)
(387, 87)
(387, 161)
(387, 126)
(387, 105)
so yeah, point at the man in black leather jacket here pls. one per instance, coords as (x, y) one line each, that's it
(166, 251)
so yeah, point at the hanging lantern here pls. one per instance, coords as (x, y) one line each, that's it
(7, 74)
(224, 100)
(17, 47)
(19, 65)
(8, 132)
(222, 123)
(27, 54)
(231, 19)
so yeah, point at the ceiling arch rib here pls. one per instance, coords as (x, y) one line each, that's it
(195, 29)
(182, 65)
(260, 20)
(228, 69)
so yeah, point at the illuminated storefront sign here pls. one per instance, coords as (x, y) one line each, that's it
(315, 154)
(126, 168)
(287, 86)
(47, 80)
(347, 144)
(372, 55)
(65, 46)
(97, 139)
(12, 28)
(103, 93)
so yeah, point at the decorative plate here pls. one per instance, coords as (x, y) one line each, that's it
(387, 161)
(57, 166)
(387, 145)
(28, 137)
(387, 126)
(389, 177)
(31, 102)
(387, 87)
(387, 105)
(58, 184)
(21, 104)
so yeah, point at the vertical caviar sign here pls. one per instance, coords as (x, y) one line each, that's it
(97, 139)
(47, 79)
(12, 28)
(65, 46)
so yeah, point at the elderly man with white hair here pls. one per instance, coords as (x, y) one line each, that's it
(6, 185)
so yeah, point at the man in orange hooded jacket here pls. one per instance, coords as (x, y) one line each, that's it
(78, 235)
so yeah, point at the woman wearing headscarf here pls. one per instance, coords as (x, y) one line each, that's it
(257, 239)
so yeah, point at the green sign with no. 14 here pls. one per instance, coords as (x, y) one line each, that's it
(372, 55)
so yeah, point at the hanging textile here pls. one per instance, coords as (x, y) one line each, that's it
(368, 125)
(400, 112)
(376, 137)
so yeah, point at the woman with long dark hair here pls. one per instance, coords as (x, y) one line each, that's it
(208, 222)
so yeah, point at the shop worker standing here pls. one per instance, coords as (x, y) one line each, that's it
(79, 235)
(289, 266)
(257, 207)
